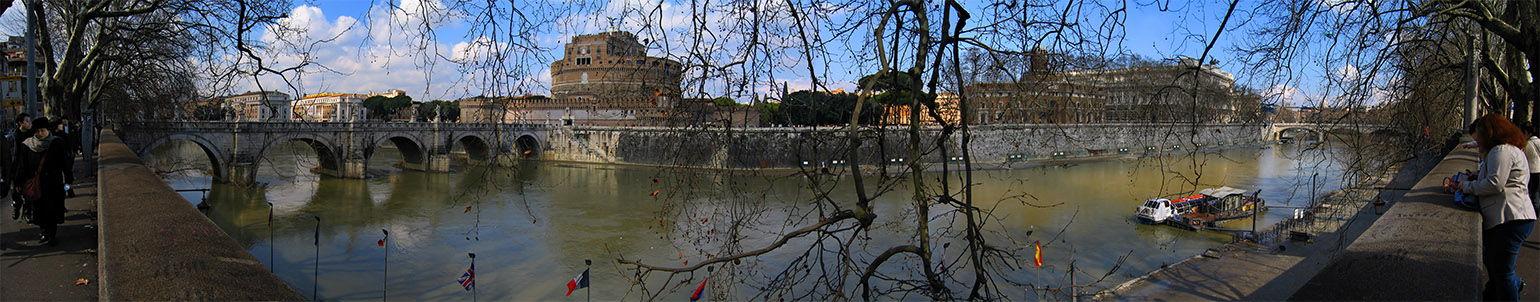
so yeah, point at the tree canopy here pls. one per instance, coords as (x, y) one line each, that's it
(449, 110)
(381, 107)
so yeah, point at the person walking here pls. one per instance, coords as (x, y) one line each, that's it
(41, 160)
(1507, 215)
(15, 136)
(1532, 153)
(71, 146)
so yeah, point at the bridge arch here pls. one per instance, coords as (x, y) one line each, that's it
(215, 155)
(527, 146)
(325, 150)
(1277, 135)
(477, 148)
(412, 150)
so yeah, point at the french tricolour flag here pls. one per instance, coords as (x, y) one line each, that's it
(580, 282)
(468, 280)
(699, 290)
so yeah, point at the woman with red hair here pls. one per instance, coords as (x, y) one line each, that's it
(1507, 216)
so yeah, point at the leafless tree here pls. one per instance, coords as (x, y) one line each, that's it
(732, 48)
(90, 48)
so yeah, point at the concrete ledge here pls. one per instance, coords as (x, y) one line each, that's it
(1423, 248)
(154, 245)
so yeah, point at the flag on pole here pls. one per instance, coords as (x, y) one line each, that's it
(381, 242)
(468, 280)
(1038, 259)
(699, 290)
(580, 282)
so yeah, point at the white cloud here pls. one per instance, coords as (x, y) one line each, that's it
(1340, 6)
(482, 48)
(1285, 94)
(629, 15)
(386, 49)
(308, 23)
(1346, 74)
(349, 58)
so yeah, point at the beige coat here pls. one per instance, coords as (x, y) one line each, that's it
(1502, 186)
(1532, 151)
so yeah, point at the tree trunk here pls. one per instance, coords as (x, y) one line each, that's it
(1527, 100)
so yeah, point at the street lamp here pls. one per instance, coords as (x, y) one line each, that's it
(1379, 205)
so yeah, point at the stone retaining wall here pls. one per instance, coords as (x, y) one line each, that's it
(154, 245)
(792, 147)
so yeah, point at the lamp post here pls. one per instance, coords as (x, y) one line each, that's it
(1379, 205)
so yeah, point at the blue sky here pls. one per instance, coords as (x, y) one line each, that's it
(370, 55)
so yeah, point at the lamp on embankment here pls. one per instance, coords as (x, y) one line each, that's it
(1379, 205)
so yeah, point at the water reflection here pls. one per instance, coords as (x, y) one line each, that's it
(533, 225)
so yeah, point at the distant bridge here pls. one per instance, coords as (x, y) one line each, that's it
(1276, 131)
(343, 149)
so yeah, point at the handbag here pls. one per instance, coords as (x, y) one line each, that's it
(33, 188)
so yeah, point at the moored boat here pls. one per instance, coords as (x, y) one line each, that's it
(1202, 210)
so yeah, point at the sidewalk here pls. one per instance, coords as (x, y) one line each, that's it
(34, 272)
(1248, 272)
(1529, 267)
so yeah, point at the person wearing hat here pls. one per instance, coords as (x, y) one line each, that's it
(41, 160)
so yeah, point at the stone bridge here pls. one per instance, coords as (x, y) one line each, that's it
(1276, 131)
(343, 149)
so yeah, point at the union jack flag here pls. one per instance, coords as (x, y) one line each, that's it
(468, 280)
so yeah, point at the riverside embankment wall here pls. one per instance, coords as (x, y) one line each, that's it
(1423, 248)
(155, 246)
(740, 148)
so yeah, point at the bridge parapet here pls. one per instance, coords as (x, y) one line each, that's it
(307, 126)
(1276, 130)
(343, 148)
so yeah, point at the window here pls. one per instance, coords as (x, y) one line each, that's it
(584, 61)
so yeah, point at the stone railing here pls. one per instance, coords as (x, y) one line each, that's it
(154, 245)
(221, 126)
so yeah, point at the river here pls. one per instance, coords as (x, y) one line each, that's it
(533, 225)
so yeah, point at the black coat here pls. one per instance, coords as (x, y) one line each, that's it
(50, 208)
(14, 136)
